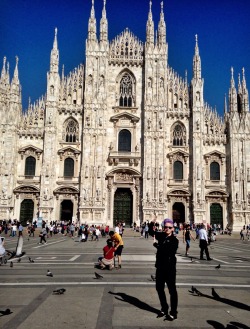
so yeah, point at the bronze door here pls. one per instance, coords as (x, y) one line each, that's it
(123, 205)
(26, 211)
(216, 214)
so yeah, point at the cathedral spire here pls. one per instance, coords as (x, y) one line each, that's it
(54, 56)
(245, 99)
(232, 94)
(196, 61)
(162, 28)
(225, 104)
(104, 24)
(92, 24)
(3, 74)
(15, 78)
(150, 26)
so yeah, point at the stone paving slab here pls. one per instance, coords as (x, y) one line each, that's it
(116, 307)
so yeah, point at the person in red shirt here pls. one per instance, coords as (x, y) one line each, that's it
(108, 256)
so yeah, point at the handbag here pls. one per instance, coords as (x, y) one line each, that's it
(40, 235)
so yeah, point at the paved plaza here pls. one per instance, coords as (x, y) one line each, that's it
(124, 298)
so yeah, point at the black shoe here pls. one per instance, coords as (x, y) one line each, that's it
(120, 266)
(170, 317)
(210, 259)
(161, 314)
(202, 258)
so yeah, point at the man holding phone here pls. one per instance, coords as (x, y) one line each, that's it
(166, 267)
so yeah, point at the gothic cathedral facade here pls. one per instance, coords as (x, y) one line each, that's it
(123, 137)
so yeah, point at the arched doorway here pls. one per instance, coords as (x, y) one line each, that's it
(66, 210)
(179, 212)
(216, 214)
(123, 205)
(26, 211)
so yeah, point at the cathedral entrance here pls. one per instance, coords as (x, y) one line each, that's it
(26, 212)
(179, 212)
(216, 214)
(123, 205)
(66, 212)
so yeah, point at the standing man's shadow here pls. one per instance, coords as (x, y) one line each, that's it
(134, 301)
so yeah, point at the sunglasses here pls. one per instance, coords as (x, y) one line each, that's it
(168, 227)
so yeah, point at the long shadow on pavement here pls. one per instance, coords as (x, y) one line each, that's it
(134, 301)
(227, 301)
(231, 325)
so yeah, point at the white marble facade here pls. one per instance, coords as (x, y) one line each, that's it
(124, 121)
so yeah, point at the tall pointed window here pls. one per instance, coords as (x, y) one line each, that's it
(30, 166)
(126, 91)
(71, 131)
(124, 142)
(178, 170)
(69, 167)
(214, 171)
(178, 135)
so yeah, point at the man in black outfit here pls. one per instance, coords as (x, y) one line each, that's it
(166, 267)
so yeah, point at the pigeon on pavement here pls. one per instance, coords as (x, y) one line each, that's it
(153, 277)
(98, 276)
(60, 291)
(49, 274)
(214, 294)
(31, 260)
(11, 264)
(218, 266)
(19, 260)
(6, 312)
(196, 291)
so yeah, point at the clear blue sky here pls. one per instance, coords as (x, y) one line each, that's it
(223, 28)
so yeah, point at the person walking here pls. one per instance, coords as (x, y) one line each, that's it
(187, 235)
(242, 234)
(42, 235)
(118, 245)
(166, 267)
(203, 242)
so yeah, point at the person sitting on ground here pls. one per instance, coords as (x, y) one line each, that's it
(108, 256)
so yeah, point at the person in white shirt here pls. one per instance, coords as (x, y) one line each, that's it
(203, 243)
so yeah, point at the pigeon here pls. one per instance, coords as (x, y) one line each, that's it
(60, 291)
(19, 260)
(6, 312)
(153, 277)
(196, 291)
(214, 294)
(49, 274)
(11, 264)
(218, 266)
(31, 260)
(98, 276)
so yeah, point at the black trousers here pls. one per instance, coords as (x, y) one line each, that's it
(203, 247)
(167, 276)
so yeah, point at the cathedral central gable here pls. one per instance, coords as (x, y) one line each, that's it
(126, 48)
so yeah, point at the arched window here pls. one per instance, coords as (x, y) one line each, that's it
(124, 141)
(30, 166)
(179, 135)
(71, 132)
(214, 171)
(126, 91)
(178, 170)
(68, 167)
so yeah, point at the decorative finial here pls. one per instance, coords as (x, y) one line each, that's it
(55, 31)
(17, 59)
(162, 6)
(232, 72)
(243, 72)
(196, 38)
